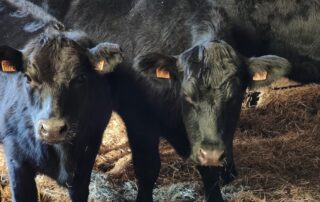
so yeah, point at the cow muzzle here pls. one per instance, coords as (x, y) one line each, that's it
(53, 130)
(214, 157)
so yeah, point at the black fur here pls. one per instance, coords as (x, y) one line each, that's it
(198, 108)
(287, 28)
(56, 80)
(22, 21)
(202, 100)
(152, 107)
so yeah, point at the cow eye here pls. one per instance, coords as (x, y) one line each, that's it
(31, 82)
(28, 78)
(189, 100)
(79, 80)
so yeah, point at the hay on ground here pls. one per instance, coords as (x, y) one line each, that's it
(276, 150)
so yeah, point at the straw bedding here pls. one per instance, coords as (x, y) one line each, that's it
(276, 150)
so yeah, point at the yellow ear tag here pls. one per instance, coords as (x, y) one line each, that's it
(163, 74)
(6, 66)
(100, 65)
(260, 76)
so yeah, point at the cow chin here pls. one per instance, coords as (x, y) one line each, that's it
(52, 141)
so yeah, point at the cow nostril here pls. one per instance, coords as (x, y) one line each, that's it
(43, 130)
(222, 156)
(203, 153)
(63, 129)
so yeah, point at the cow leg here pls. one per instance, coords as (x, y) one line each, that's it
(21, 178)
(229, 172)
(146, 161)
(79, 190)
(180, 142)
(210, 179)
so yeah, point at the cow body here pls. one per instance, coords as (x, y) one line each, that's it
(54, 104)
(286, 28)
(197, 108)
(46, 125)
(140, 26)
(149, 113)
(22, 21)
(27, 156)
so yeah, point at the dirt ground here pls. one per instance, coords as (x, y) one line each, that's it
(276, 150)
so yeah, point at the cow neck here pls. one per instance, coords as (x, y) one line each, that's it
(132, 93)
(65, 172)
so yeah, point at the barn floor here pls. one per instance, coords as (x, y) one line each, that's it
(277, 154)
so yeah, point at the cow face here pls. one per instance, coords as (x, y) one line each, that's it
(59, 78)
(212, 79)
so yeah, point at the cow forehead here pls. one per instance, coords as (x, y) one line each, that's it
(211, 65)
(56, 61)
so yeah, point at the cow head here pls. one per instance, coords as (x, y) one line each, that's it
(212, 79)
(60, 77)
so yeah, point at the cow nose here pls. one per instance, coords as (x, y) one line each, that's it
(52, 129)
(211, 157)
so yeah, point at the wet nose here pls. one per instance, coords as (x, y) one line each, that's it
(52, 129)
(214, 157)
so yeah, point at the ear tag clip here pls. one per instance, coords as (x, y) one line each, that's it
(260, 76)
(6, 66)
(163, 74)
(100, 65)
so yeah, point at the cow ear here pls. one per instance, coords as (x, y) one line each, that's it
(11, 60)
(266, 69)
(156, 65)
(106, 56)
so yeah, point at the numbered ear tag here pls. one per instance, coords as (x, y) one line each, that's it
(260, 76)
(100, 66)
(163, 74)
(6, 66)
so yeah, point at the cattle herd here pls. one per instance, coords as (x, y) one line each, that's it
(181, 74)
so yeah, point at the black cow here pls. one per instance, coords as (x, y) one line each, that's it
(54, 106)
(21, 21)
(195, 105)
(288, 28)
(198, 107)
